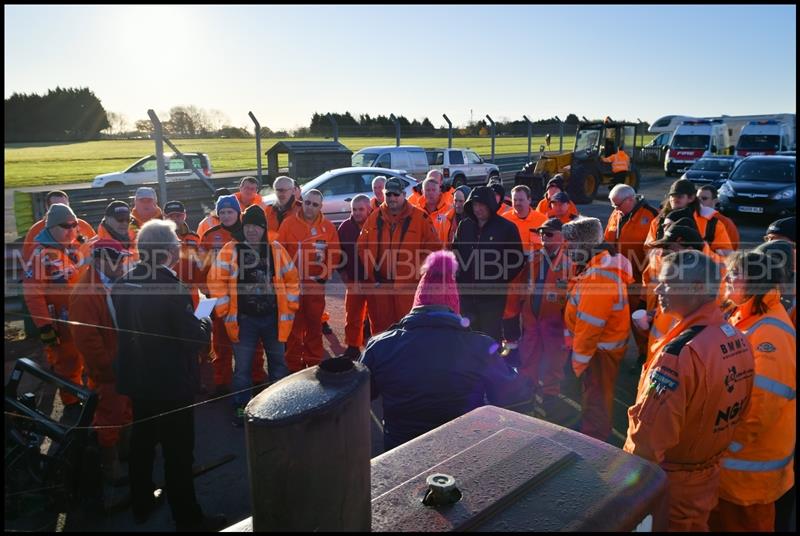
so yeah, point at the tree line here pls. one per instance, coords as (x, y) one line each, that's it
(62, 114)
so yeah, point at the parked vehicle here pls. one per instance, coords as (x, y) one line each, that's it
(761, 185)
(661, 140)
(669, 123)
(713, 170)
(145, 170)
(339, 186)
(764, 137)
(694, 139)
(461, 166)
(410, 158)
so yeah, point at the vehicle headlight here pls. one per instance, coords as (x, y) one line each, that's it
(786, 193)
(726, 190)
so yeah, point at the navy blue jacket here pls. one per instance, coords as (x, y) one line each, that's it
(430, 370)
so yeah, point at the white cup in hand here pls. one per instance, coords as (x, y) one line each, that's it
(641, 319)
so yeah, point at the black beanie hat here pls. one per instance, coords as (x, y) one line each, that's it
(254, 215)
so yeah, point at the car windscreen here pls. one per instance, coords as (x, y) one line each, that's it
(689, 141)
(765, 171)
(712, 164)
(759, 142)
(586, 139)
(364, 159)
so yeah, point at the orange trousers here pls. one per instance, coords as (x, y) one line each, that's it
(732, 517)
(355, 307)
(304, 345)
(386, 309)
(598, 393)
(222, 360)
(67, 362)
(113, 410)
(692, 496)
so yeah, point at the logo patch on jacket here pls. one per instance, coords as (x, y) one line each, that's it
(728, 330)
(660, 382)
(767, 347)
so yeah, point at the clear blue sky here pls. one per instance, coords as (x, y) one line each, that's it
(286, 62)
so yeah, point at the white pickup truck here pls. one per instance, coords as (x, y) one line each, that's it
(461, 166)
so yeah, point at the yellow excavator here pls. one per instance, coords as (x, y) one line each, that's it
(583, 168)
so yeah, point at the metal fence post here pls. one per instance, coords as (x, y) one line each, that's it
(560, 135)
(158, 134)
(494, 132)
(396, 129)
(449, 131)
(530, 135)
(335, 127)
(258, 146)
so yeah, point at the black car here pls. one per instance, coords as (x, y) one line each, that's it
(713, 170)
(761, 185)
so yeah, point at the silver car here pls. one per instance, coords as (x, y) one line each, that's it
(339, 186)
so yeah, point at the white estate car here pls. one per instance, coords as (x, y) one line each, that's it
(461, 166)
(339, 186)
(144, 170)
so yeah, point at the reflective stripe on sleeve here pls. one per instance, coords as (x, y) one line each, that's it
(593, 320)
(735, 447)
(613, 345)
(749, 465)
(774, 387)
(773, 322)
(581, 358)
(231, 318)
(223, 300)
(293, 297)
(223, 265)
(286, 268)
(287, 317)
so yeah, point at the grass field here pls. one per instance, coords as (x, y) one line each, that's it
(40, 164)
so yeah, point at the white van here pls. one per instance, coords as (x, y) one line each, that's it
(764, 137)
(693, 139)
(409, 158)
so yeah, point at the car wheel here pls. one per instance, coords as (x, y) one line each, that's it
(459, 180)
(113, 184)
(493, 177)
(583, 185)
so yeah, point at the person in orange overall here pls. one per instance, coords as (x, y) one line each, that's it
(542, 351)
(707, 197)
(447, 191)
(248, 193)
(85, 231)
(619, 163)
(117, 225)
(527, 220)
(682, 194)
(287, 203)
(559, 208)
(694, 393)
(757, 467)
(211, 219)
(434, 205)
(189, 267)
(597, 320)
(230, 228)
(377, 189)
(392, 246)
(93, 329)
(145, 208)
(52, 272)
(353, 276)
(554, 185)
(784, 256)
(311, 240)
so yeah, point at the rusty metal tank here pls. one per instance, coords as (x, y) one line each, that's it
(497, 470)
(308, 451)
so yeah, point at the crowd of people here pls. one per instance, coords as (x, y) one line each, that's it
(455, 297)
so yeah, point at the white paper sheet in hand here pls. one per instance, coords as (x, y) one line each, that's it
(205, 307)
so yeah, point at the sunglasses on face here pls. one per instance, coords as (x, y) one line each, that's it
(392, 194)
(72, 225)
(548, 234)
(312, 204)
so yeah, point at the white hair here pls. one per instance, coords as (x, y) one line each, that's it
(155, 238)
(429, 180)
(283, 178)
(434, 172)
(583, 230)
(621, 192)
(378, 179)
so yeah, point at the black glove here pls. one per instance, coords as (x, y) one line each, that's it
(48, 336)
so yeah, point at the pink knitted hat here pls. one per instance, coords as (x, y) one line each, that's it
(438, 283)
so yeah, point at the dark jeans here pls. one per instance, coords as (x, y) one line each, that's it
(485, 313)
(175, 432)
(251, 329)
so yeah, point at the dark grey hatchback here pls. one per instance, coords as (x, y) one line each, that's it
(711, 170)
(761, 185)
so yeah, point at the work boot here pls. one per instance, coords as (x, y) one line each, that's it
(326, 329)
(353, 353)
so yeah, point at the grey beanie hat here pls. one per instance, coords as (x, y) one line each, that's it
(583, 231)
(58, 214)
